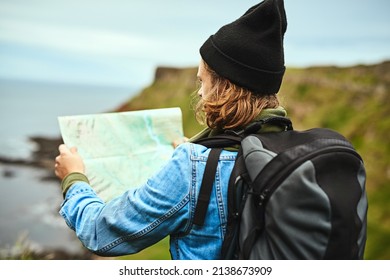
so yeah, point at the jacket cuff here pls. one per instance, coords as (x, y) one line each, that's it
(72, 178)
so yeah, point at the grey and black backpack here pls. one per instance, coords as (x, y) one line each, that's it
(292, 194)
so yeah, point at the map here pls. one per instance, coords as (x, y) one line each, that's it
(122, 150)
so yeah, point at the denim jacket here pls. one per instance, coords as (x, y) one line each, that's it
(163, 206)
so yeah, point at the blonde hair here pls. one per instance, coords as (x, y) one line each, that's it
(229, 106)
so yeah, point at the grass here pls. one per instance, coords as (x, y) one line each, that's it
(159, 251)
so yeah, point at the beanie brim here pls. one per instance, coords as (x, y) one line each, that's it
(259, 81)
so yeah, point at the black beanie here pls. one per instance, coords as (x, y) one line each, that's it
(249, 51)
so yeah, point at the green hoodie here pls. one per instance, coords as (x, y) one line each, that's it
(266, 113)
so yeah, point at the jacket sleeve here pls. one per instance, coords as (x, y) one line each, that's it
(138, 218)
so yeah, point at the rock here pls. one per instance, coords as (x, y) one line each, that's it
(8, 173)
(42, 157)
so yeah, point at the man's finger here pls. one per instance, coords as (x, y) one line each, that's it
(73, 150)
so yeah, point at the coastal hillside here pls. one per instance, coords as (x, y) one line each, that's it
(352, 100)
(172, 87)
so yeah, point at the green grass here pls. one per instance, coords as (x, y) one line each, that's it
(159, 251)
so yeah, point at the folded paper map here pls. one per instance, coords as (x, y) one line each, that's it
(122, 150)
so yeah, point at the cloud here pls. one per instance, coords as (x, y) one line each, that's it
(79, 40)
(84, 39)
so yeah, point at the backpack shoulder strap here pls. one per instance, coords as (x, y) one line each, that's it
(217, 143)
(206, 187)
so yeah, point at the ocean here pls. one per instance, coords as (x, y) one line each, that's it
(31, 109)
(29, 205)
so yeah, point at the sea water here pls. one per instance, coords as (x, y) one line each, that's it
(32, 108)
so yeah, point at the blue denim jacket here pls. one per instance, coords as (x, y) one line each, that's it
(164, 205)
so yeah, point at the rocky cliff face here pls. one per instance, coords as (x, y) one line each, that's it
(171, 74)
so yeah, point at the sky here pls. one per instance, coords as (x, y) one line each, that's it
(120, 42)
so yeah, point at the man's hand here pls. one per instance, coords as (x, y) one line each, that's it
(68, 161)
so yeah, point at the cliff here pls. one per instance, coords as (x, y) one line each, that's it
(172, 87)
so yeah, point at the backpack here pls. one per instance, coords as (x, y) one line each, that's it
(292, 194)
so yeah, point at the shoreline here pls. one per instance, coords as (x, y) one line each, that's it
(43, 157)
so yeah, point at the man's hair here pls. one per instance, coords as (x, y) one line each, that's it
(229, 106)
